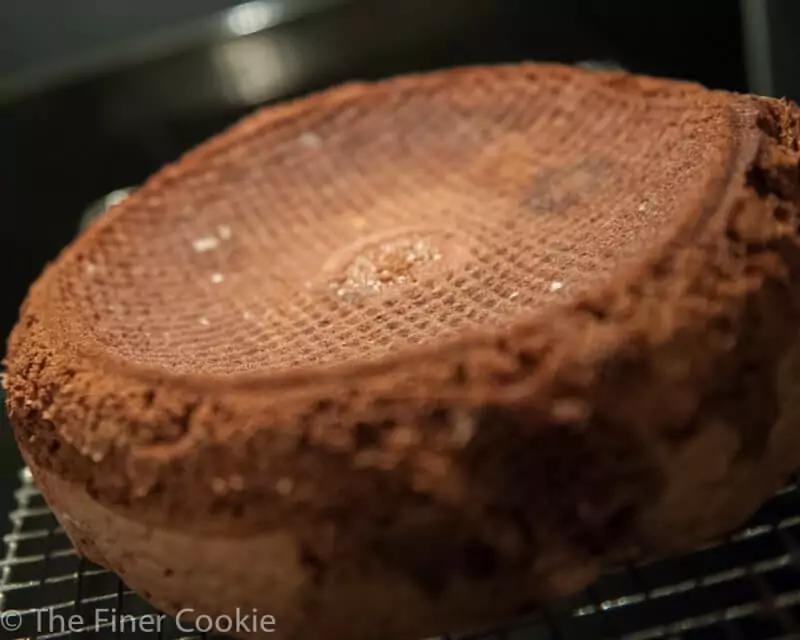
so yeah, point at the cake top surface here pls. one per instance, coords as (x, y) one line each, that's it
(371, 219)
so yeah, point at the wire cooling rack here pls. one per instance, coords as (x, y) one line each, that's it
(746, 586)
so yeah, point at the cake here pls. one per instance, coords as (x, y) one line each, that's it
(410, 357)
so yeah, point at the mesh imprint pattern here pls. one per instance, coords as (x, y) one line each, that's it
(368, 220)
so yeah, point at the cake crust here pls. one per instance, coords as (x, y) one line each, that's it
(466, 479)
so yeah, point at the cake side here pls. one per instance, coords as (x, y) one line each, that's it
(355, 597)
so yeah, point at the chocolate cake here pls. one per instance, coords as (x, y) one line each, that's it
(408, 357)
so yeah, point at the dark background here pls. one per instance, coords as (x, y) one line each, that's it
(97, 94)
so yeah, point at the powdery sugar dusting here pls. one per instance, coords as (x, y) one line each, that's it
(204, 244)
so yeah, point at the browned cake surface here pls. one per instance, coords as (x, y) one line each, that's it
(360, 223)
(483, 327)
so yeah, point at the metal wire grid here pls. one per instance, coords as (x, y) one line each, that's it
(747, 586)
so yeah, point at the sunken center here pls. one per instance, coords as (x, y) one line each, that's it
(382, 263)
